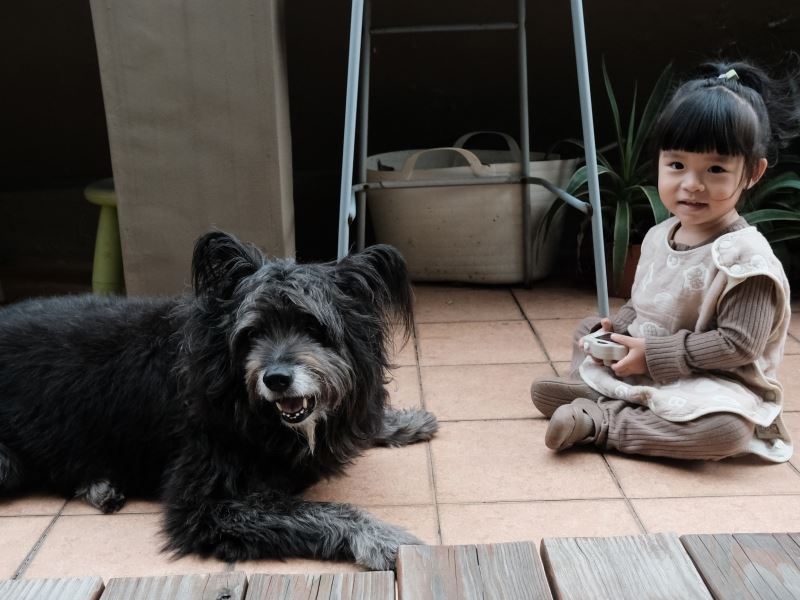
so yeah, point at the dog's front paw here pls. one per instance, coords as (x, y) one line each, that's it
(426, 426)
(376, 547)
(103, 496)
(403, 427)
(10, 476)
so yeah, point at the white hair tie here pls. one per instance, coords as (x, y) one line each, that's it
(729, 75)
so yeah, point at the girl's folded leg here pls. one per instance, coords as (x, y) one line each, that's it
(548, 393)
(635, 429)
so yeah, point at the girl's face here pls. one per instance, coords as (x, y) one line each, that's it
(701, 189)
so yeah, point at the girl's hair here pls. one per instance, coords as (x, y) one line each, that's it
(749, 114)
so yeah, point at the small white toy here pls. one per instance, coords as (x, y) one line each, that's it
(600, 346)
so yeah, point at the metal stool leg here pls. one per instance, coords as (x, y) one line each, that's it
(582, 63)
(524, 142)
(363, 124)
(346, 205)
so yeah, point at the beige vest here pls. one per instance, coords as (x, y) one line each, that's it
(676, 290)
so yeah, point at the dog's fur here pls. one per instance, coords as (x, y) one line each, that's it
(199, 399)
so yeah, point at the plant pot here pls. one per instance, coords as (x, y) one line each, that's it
(628, 274)
(586, 268)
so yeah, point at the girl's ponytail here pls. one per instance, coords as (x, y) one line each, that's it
(780, 96)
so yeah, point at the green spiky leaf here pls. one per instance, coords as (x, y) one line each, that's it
(782, 234)
(767, 215)
(612, 101)
(660, 212)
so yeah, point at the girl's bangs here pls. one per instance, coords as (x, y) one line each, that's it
(708, 120)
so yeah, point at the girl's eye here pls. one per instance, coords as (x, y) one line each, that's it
(675, 165)
(717, 169)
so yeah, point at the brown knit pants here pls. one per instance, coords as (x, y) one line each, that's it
(634, 429)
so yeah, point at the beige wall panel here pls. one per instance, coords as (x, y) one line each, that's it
(198, 119)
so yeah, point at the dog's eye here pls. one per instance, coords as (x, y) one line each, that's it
(318, 332)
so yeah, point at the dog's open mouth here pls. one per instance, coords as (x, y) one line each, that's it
(295, 409)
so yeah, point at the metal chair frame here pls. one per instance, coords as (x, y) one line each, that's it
(352, 200)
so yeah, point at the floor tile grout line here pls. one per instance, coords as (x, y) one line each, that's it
(627, 500)
(470, 420)
(524, 317)
(23, 566)
(452, 322)
(792, 465)
(512, 501)
(610, 498)
(533, 501)
(534, 417)
(488, 364)
(428, 448)
(528, 363)
(536, 335)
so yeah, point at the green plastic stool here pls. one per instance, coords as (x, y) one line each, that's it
(107, 273)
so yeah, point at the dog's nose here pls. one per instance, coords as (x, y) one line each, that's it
(278, 380)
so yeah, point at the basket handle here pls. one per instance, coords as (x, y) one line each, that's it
(510, 141)
(477, 168)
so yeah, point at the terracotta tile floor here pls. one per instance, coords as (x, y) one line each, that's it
(487, 477)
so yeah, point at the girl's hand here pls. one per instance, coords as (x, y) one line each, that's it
(605, 325)
(634, 363)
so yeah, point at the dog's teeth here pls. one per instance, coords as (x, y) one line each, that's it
(305, 403)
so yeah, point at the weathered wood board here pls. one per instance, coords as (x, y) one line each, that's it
(217, 586)
(77, 588)
(637, 567)
(742, 566)
(378, 585)
(511, 571)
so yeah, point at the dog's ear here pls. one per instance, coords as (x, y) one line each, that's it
(378, 274)
(220, 262)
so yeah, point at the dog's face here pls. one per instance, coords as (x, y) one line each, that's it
(310, 339)
(290, 367)
(296, 360)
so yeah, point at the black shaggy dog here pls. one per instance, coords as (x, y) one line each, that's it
(226, 403)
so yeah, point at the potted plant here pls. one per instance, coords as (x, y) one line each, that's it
(774, 207)
(630, 205)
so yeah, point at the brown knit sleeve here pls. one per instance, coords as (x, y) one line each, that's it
(623, 318)
(744, 322)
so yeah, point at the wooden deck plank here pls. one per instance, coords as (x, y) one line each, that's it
(216, 586)
(377, 585)
(75, 588)
(511, 571)
(438, 572)
(762, 566)
(629, 567)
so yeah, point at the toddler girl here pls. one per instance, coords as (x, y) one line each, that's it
(709, 311)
